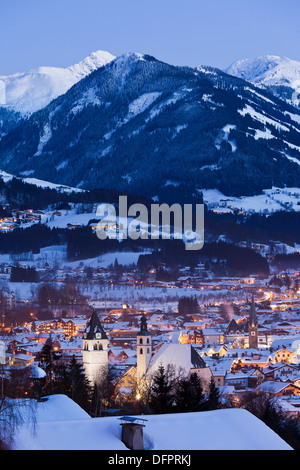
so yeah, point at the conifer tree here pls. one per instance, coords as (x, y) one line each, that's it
(214, 396)
(184, 396)
(79, 385)
(189, 394)
(103, 392)
(47, 358)
(198, 395)
(161, 396)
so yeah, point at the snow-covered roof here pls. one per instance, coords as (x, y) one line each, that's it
(183, 357)
(37, 372)
(272, 386)
(62, 425)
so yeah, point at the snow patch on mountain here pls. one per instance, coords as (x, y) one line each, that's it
(136, 107)
(261, 118)
(209, 99)
(177, 95)
(224, 136)
(139, 105)
(294, 117)
(45, 137)
(292, 159)
(88, 98)
(254, 92)
(62, 165)
(266, 134)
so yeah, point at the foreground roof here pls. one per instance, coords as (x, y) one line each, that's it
(62, 425)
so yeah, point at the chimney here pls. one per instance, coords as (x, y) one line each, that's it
(132, 432)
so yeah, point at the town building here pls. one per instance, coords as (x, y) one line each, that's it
(253, 327)
(144, 348)
(94, 349)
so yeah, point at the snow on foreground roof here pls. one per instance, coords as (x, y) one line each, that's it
(63, 425)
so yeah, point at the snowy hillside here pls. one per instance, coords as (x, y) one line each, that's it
(40, 183)
(270, 201)
(62, 426)
(30, 91)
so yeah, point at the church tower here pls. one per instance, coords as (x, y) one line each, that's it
(144, 348)
(253, 326)
(94, 350)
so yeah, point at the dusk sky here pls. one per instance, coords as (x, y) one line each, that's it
(192, 32)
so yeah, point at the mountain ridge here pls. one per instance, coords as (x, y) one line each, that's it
(268, 70)
(280, 75)
(31, 91)
(155, 129)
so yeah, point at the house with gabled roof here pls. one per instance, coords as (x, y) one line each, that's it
(278, 388)
(235, 332)
(245, 379)
(281, 371)
(284, 355)
(294, 379)
(212, 336)
(219, 368)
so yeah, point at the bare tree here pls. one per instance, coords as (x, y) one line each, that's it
(14, 412)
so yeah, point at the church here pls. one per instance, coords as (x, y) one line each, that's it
(246, 335)
(183, 358)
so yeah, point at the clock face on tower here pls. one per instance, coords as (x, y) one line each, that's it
(98, 335)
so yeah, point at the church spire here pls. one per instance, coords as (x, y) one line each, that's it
(94, 329)
(144, 328)
(252, 316)
(253, 326)
(144, 348)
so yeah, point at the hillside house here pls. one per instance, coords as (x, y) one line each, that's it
(244, 380)
(279, 389)
(284, 355)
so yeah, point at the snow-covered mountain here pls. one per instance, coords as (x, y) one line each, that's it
(270, 71)
(150, 128)
(267, 70)
(30, 91)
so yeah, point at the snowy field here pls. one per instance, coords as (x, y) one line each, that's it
(63, 425)
(149, 298)
(57, 255)
(272, 200)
